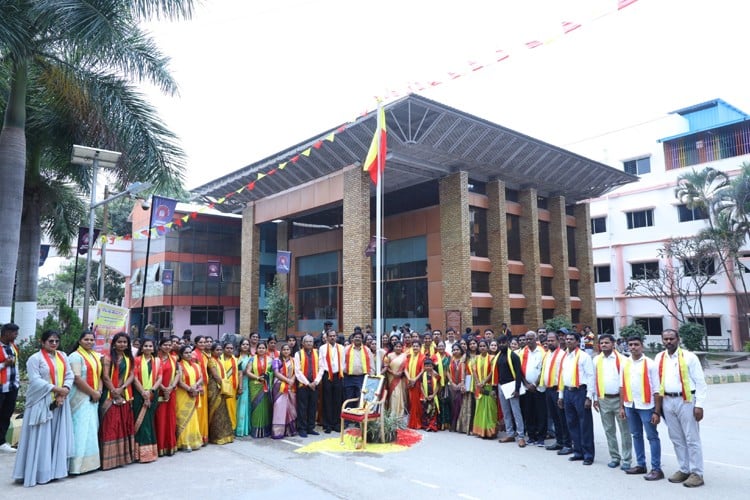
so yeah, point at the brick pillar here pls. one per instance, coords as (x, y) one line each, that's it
(585, 261)
(558, 242)
(455, 255)
(357, 275)
(497, 242)
(250, 266)
(532, 283)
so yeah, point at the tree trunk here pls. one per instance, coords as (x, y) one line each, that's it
(12, 170)
(28, 264)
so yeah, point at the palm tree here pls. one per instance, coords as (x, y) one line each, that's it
(77, 39)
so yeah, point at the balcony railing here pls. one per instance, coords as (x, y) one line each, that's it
(704, 147)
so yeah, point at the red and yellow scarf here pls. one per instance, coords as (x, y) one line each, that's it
(56, 369)
(432, 388)
(349, 360)
(259, 367)
(287, 372)
(339, 349)
(576, 375)
(687, 393)
(303, 363)
(119, 373)
(599, 372)
(93, 364)
(646, 383)
(147, 372)
(229, 369)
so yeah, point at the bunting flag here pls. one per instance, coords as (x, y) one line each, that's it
(378, 146)
(376, 154)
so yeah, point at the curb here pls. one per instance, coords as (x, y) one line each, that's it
(728, 378)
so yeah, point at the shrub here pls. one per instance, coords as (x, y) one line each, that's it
(554, 324)
(692, 335)
(747, 347)
(633, 330)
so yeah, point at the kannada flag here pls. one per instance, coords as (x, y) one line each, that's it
(376, 154)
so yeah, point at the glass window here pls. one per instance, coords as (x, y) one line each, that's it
(641, 218)
(481, 316)
(318, 289)
(478, 231)
(546, 285)
(207, 315)
(511, 195)
(645, 270)
(516, 316)
(318, 270)
(515, 283)
(712, 325)
(574, 288)
(575, 316)
(542, 202)
(570, 210)
(602, 274)
(598, 225)
(544, 252)
(605, 325)
(547, 314)
(653, 326)
(638, 167)
(480, 282)
(572, 258)
(699, 267)
(405, 277)
(513, 224)
(476, 186)
(685, 214)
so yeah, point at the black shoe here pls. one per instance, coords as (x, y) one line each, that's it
(575, 458)
(302, 434)
(314, 433)
(588, 462)
(553, 447)
(565, 451)
(327, 431)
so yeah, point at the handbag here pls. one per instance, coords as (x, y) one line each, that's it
(227, 389)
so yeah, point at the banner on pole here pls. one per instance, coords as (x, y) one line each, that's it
(167, 276)
(213, 268)
(370, 250)
(43, 254)
(110, 320)
(84, 239)
(162, 213)
(283, 259)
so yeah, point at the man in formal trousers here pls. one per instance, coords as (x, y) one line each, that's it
(307, 369)
(331, 355)
(550, 379)
(684, 390)
(358, 362)
(608, 365)
(576, 391)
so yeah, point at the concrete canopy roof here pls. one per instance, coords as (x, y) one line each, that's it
(427, 140)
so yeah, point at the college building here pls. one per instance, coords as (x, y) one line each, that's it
(483, 225)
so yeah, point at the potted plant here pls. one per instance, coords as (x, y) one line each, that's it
(391, 424)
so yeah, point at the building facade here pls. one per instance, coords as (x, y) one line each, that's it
(631, 224)
(483, 225)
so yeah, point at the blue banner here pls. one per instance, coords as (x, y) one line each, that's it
(167, 277)
(43, 253)
(283, 261)
(162, 213)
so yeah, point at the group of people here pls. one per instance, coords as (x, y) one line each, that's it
(547, 389)
(87, 411)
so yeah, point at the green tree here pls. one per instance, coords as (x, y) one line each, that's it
(692, 335)
(554, 324)
(633, 330)
(44, 43)
(280, 312)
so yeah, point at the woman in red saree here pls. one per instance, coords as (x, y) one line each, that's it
(117, 431)
(166, 412)
(413, 372)
(395, 364)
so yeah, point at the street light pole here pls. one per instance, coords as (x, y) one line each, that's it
(92, 220)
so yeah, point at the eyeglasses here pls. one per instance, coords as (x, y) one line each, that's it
(53, 341)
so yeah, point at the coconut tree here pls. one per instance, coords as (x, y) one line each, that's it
(102, 37)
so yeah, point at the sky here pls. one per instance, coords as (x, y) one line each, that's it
(257, 77)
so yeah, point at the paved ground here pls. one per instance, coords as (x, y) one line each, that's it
(443, 465)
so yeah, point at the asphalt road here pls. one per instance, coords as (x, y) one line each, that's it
(443, 465)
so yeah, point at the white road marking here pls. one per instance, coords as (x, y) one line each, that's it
(735, 466)
(371, 467)
(298, 445)
(333, 455)
(426, 485)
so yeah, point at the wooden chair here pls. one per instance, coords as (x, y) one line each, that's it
(370, 407)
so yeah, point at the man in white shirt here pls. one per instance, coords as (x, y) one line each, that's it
(533, 403)
(608, 366)
(576, 391)
(641, 403)
(550, 379)
(683, 387)
(307, 369)
(331, 355)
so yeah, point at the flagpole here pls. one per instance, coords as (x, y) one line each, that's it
(145, 272)
(379, 246)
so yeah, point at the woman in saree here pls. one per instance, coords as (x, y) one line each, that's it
(254, 340)
(84, 404)
(166, 411)
(284, 395)
(291, 341)
(271, 349)
(259, 371)
(232, 376)
(456, 388)
(485, 415)
(444, 421)
(395, 365)
(147, 382)
(429, 388)
(219, 424)
(46, 441)
(243, 391)
(188, 430)
(413, 372)
(117, 429)
(201, 355)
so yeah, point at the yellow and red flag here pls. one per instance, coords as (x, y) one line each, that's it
(376, 154)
